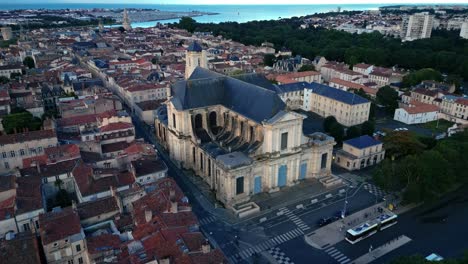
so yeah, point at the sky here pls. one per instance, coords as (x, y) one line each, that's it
(237, 2)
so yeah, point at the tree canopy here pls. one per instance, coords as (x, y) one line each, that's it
(388, 97)
(20, 120)
(416, 77)
(306, 67)
(445, 51)
(188, 24)
(29, 62)
(421, 172)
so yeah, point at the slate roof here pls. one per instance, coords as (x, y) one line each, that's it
(337, 94)
(194, 46)
(207, 88)
(362, 142)
(291, 87)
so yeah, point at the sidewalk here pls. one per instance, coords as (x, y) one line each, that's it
(335, 232)
(382, 250)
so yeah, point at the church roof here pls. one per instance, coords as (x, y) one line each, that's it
(194, 46)
(206, 88)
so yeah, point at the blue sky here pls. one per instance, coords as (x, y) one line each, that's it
(239, 2)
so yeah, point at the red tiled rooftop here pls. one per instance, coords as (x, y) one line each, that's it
(421, 108)
(56, 226)
(462, 101)
(28, 194)
(87, 184)
(116, 126)
(104, 242)
(28, 136)
(101, 206)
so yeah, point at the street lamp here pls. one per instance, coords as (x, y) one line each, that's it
(343, 212)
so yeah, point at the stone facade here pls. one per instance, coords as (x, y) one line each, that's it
(239, 156)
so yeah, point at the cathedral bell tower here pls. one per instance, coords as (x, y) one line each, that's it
(195, 57)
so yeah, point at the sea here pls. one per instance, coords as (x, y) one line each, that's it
(225, 13)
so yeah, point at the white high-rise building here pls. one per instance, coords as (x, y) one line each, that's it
(194, 56)
(416, 26)
(7, 34)
(126, 21)
(464, 30)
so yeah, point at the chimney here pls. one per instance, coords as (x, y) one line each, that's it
(174, 207)
(112, 191)
(148, 215)
(206, 247)
(172, 194)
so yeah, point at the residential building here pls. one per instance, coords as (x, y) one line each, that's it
(104, 248)
(239, 137)
(7, 33)
(22, 249)
(417, 113)
(7, 70)
(16, 147)
(348, 108)
(63, 239)
(416, 26)
(348, 86)
(360, 152)
(148, 170)
(294, 77)
(292, 94)
(464, 30)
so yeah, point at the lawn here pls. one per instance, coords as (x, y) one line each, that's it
(442, 127)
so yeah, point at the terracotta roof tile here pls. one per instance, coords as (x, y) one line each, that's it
(56, 226)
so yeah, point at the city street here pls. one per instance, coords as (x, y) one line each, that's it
(279, 234)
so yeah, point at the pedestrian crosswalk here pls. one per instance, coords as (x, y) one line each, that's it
(374, 190)
(268, 244)
(303, 226)
(207, 220)
(279, 256)
(336, 254)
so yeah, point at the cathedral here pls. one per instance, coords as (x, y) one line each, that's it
(237, 134)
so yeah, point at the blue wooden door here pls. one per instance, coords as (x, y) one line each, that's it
(282, 175)
(303, 171)
(257, 184)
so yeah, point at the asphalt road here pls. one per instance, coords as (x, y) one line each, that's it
(440, 228)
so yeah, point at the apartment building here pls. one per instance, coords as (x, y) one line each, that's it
(348, 108)
(16, 147)
(416, 26)
(62, 237)
(464, 30)
(417, 113)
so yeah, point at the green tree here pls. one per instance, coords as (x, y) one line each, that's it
(368, 128)
(388, 97)
(155, 60)
(402, 143)
(353, 132)
(269, 59)
(29, 62)
(121, 29)
(337, 131)
(306, 67)
(20, 121)
(328, 122)
(4, 80)
(418, 76)
(188, 24)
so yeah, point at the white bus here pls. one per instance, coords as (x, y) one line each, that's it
(370, 227)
